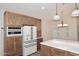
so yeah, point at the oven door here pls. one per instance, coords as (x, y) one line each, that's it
(14, 31)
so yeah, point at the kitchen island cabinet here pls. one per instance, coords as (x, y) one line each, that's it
(59, 48)
(45, 50)
(49, 51)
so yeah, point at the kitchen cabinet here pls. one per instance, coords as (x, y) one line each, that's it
(14, 19)
(26, 20)
(67, 53)
(38, 24)
(13, 46)
(39, 40)
(57, 52)
(45, 50)
(50, 51)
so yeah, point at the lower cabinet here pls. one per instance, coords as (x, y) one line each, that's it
(45, 51)
(57, 52)
(49, 51)
(13, 46)
(67, 53)
(38, 43)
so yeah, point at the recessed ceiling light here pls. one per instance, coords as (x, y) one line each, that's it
(42, 7)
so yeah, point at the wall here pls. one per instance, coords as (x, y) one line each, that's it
(69, 33)
(1, 32)
(47, 29)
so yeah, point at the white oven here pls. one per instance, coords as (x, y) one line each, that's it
(14, 31)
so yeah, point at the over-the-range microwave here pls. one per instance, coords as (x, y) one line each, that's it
(14, 31)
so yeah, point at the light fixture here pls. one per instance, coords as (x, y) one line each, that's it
(42, 7)
(62, 24)
(56, 17)
(76, 11)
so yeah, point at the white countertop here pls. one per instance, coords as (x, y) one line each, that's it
(67, 45)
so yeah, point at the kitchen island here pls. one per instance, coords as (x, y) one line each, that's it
(59, 47)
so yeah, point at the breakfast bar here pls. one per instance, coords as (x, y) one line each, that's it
(59, 47)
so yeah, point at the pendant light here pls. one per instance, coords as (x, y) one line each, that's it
(56, 17)
(62, 24)
(76, 11)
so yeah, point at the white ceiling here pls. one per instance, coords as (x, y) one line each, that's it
(34, 9)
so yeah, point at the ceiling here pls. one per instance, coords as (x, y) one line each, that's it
(34, 9)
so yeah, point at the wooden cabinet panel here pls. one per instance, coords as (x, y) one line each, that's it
(38, 43)
(50, 51)
(9, 46)
(57, 52)
(35, 23)
(18, 20)
(18, 45)
(13, 46)
(13, 19)
(45, 51)
(38, 24)
(10, 19)
(70, 53)
(25, 20)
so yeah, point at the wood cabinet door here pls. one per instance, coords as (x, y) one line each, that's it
(27, 21)
(38, 43)
(13, 46)
(9, 46)
(13, 19)
(57, 52)
(18, 45)
(45, 50)
(39, 28)
(10, 18)
(71, 54)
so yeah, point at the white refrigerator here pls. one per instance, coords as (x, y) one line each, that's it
(29, 40)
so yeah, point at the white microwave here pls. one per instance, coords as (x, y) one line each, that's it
(14, 31)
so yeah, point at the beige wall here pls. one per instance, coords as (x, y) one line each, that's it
(1, 32)
(47, 29)
(69, 33)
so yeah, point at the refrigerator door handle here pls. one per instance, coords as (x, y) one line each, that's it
(31, 33)
(27, 38)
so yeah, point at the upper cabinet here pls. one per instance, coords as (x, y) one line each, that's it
(13, 19)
